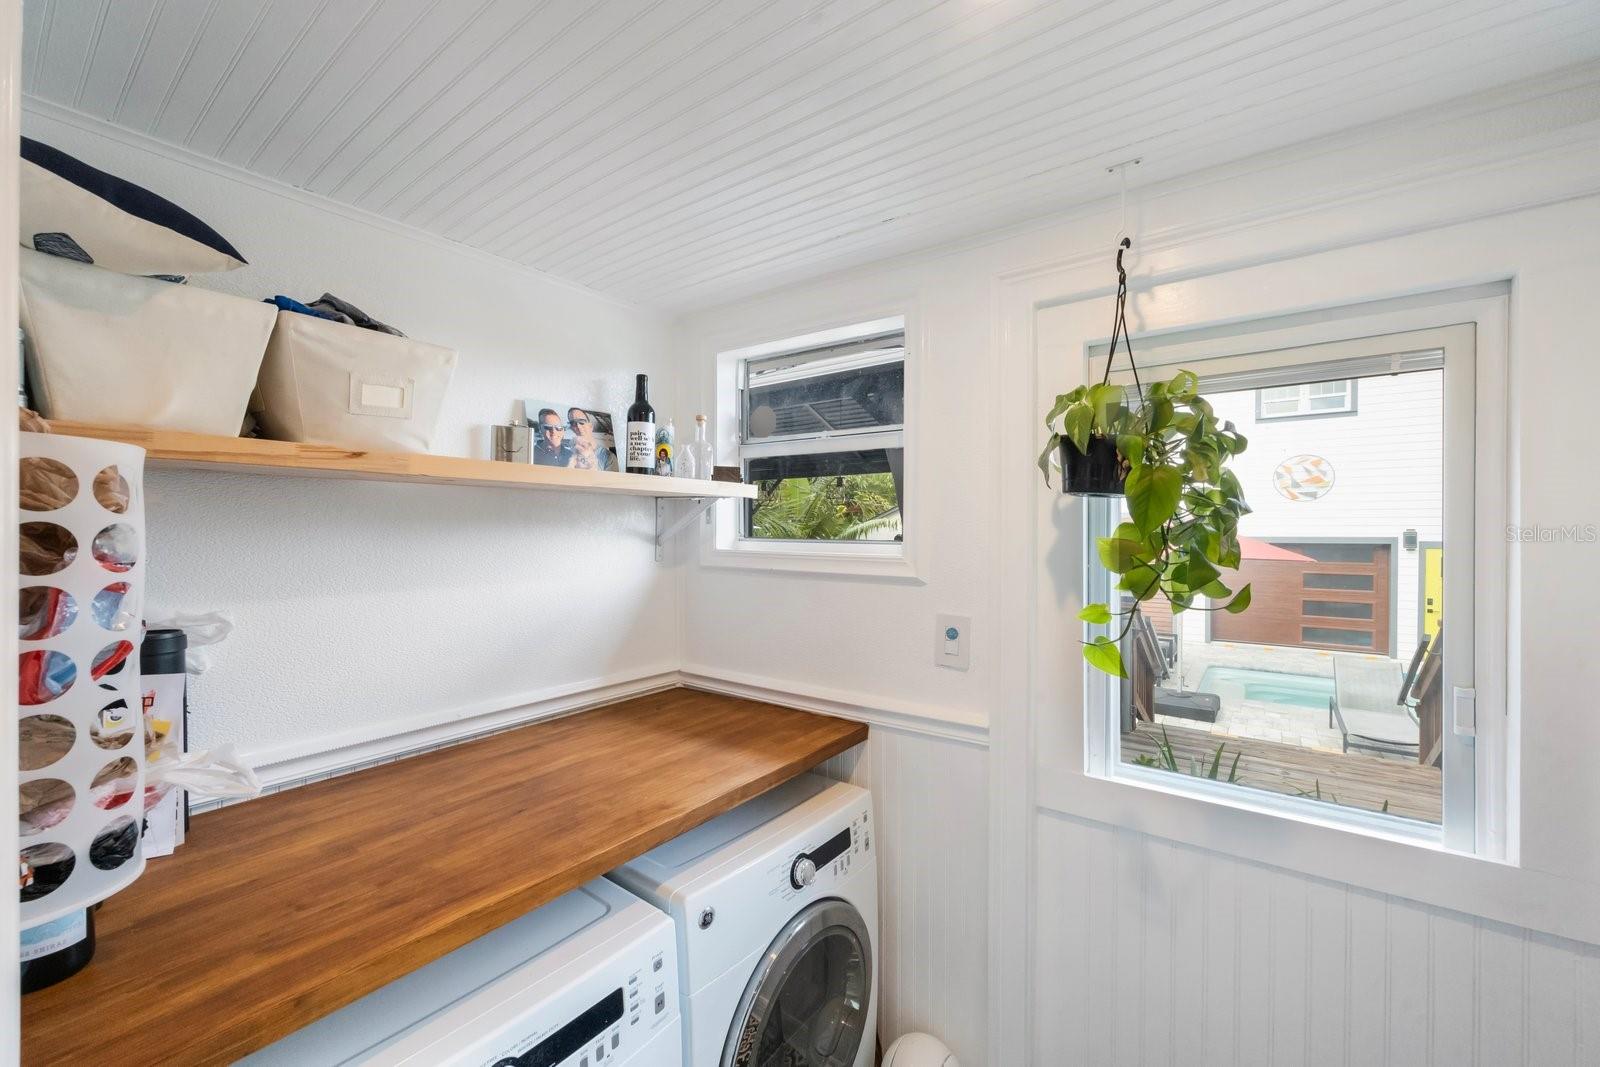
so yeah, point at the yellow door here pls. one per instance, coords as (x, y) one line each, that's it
(1432, 590)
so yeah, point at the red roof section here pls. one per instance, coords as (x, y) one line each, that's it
(1254, 548)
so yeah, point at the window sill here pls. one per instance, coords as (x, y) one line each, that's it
(800, 558)
(1269, 805)
(1412, 866)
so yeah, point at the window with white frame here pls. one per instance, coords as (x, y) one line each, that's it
(1332, 694)
(1304, 399)
(822, 437)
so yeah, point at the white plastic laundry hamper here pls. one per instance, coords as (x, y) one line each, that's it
(80, 720)
(337, 384)
(117, 349)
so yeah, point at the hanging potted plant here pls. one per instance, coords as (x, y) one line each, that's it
(1166, 452)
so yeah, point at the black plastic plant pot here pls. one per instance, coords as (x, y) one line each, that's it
(1098, 472)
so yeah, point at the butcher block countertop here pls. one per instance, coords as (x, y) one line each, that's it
(281, 910)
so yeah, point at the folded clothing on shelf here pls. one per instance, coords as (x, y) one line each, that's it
(332, 308)
(344, 311)
(289, 303)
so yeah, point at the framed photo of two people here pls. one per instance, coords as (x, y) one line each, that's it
(567, 435)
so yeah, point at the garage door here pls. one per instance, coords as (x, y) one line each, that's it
(1334, 596)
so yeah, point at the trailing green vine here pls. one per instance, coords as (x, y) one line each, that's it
(1183, 502)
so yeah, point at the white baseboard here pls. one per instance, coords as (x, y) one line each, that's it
(286, 765)
(947, 723)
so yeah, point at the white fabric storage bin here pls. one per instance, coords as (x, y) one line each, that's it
(335, 384)
(121, 350)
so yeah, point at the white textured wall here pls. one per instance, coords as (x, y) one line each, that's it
(361, 606)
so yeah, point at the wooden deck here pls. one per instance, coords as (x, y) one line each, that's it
(1351, 779)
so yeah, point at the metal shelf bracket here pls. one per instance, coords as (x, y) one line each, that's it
(667, 528)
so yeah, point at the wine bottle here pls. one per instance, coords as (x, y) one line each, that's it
(641, 430)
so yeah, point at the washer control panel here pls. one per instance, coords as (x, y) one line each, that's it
(608, 1028)
(833, 856)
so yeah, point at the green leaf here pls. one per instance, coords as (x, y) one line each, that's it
(1095, 615)
(1047, 457)
(1228, 482)
(1161, 414)
(1077, 423)
(1102, 654)
(1153, 495)
(1128, 532)
(1142, 581)
(1063, 402)
(1104, 400)
(1199, 572)
(1227, 554)
(1183, 385)
(1203, 460)
(1131, 447)
(1240, 601)
(1120, 555)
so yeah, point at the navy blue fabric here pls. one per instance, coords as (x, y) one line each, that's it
(289, 303)
(133, 199)
(60, 245)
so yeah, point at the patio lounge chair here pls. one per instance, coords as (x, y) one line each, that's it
(1366, 704)
(1160, 652)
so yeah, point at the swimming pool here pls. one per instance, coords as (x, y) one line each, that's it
(1270, 687)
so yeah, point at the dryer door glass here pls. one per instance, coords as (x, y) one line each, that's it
(806, 1005)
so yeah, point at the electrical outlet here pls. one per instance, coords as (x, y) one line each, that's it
(952, 641)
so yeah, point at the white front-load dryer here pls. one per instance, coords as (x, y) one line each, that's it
(776, 909)
(588, 980)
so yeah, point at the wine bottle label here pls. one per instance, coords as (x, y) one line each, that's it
(54, 936)
(641, 444)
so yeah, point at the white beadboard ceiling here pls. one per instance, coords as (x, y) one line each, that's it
(682, 152)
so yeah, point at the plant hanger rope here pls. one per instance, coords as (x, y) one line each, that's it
(1119, 325)
(1164, 452)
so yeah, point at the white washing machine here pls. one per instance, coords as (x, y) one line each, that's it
(588, 980)
(776, 908)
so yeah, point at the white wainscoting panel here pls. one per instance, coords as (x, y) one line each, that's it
(1149, 952)
(930, 802)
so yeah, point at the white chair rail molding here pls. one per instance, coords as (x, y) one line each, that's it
(915, 532)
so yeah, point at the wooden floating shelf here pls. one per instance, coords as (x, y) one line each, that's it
(197, 451)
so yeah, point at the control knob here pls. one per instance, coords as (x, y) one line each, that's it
(803, 873)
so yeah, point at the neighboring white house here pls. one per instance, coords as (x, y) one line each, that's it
(1345, 476)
